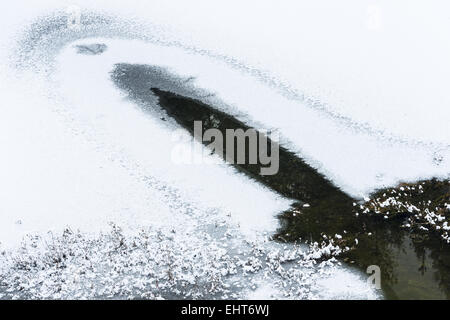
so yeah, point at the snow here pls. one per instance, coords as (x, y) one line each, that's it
(344, 76)
(357, 89)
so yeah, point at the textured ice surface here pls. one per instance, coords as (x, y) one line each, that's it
(349, 95)
(353, 89)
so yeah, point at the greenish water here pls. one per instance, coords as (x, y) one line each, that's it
(412, 266)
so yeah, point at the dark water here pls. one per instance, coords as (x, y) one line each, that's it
(412, 266)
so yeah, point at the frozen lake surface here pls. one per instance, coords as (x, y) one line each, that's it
(359, 107)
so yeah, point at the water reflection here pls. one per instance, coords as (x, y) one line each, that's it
(412, 266)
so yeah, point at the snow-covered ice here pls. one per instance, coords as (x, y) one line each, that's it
(353, 89)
